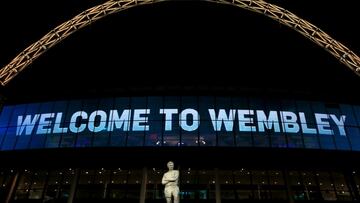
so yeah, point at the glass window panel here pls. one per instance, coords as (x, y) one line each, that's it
(172, 138)
(68, 139)
(153, 136)
(326, 141)
(276, 177)
(25, 180)
(134, 177)
(279, 194)
(339, 181)
(122, 103)
(223, 103)
(245, 194)
(226, 177)
(106, 104)
(350, 115)
(39, 179)
(2, 135)
(328, 195)
(227, 193)
(242, 176)
(254, 104)
(67, 177)
(295, 140)
(289, 105)
(119, 176)
(102, 138)
(84, 137)
(295, 178)
(155, 104)
(38, 140)
(23, 141)
(311, 141)
(226, 138)
(278, 139)
(17, 111)
(357, 114)
(325, 181)
(206, 177)
(243, 139)
(189, 102)
(261, 139)
(72, 107)
(260, 177)
(341, 141)
(239, 103)
(353, 134)
(118, 136)
(188, 176)
(5, 116)
(155, 175)
(102, 176)
(10, 139)
(207, 135)
(53, 140)
(206, 103)
(87, 176)
(136, 136)
(308, 178)
(21, 194)
(190, 138)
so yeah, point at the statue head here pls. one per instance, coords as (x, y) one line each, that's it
(170, 165)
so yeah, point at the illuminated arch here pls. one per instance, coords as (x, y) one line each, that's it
(310, 31)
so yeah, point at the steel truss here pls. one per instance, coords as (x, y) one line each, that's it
(89, 16)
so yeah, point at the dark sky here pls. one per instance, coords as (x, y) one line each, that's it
(163, 46)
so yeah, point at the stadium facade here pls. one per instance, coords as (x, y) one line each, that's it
(238, 139)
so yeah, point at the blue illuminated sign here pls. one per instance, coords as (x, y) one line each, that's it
(137, 120)
(179, 121)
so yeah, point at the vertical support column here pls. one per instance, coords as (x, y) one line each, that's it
(289, 191)
(105, 189)
(73, 186)
(12, 187)
(143, 186)
(217, 186)
(351, 183)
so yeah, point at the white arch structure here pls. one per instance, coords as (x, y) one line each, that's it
(89, 16)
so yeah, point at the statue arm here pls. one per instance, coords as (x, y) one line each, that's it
(164, 180)
(175, 177)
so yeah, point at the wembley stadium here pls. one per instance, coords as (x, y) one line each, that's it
(252, 100)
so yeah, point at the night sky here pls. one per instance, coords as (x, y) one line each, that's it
(159, 48)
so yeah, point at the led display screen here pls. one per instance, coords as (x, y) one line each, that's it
(180, 121)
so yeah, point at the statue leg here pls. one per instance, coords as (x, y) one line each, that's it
(176, 199)
(167, 193)
(176, 195)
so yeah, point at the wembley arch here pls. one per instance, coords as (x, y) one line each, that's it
(91, 15)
